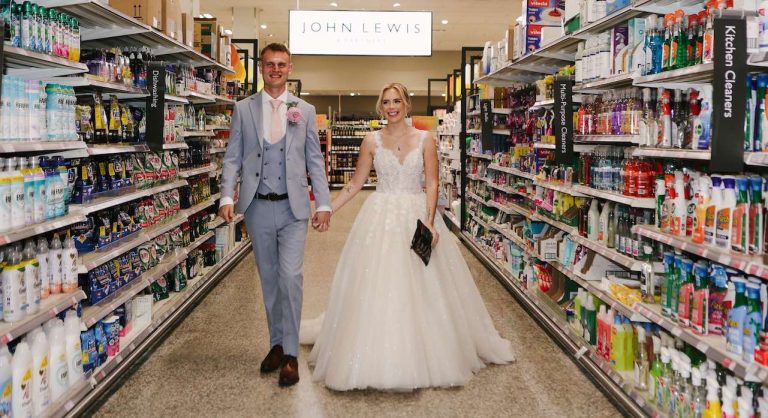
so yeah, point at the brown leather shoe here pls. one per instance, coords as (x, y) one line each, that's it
(289, 372)
(273, 360)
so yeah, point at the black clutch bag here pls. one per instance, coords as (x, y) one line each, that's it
(421, 243)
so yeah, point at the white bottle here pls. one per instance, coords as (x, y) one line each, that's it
(58, 357)
(55, 265)
(29, 191)
(602, 233)
(605, 54)
(22, 381)
(6, 382)
(41, 368)
(38, 204)
(73, 349)
(725, 213)
(14, 291)
(69, 266)
(593, 221)
(43, 267)
(31, 277)
(6, 201)
(17, 193)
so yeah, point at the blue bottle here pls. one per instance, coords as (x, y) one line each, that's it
(737, 318)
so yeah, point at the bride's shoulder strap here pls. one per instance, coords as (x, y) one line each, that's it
(377, 138)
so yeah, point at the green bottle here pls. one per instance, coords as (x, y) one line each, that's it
(682, 42)
(656, 370)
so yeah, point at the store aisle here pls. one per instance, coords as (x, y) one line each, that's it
(210, 364)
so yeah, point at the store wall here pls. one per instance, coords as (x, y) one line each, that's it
(364, 106)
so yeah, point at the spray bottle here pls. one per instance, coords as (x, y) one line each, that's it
(44, 271)
(739, 222)
(69, 265)
(755, 229)
(715, 203)
(700, 308)
(753, 321)
(641, 361)
(698, 399)
(685, 294)
(736, 318)
(31, 277)
(725, 213)
(55, 264)
(657, 369)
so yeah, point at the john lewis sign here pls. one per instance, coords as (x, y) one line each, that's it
(323, 32)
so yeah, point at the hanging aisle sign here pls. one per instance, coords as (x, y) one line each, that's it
(729, 95)
(155, 111)
(486, 129)
(563, 90)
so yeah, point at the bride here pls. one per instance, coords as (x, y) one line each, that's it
(392, 323)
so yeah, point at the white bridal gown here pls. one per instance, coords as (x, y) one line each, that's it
(391, 323)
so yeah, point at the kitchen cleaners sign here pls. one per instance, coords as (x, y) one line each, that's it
(321, 32)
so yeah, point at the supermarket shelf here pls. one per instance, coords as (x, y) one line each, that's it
(683, 154)
(750, 264)
(543, 103)
(621, 80)
(501, 110)
(195, 134)
(635, 202)
(539, 145)
(511, 171)
(506, 132)
(505, 189)
(756, 158)
(37, 146)
(681, 78)
(89, 82)
(480, 221)
(220, 221)
(613, 19)
(607, 139)
(176, 99)
(714, 346)
(110, 201)
(176, 145)
(217, 150)
(483, 156)
(40, 228)
(447, 214)
(475, 177)
(474, 131)
(164, 314)
(477, 198)
(576, 347)
(569, 189)
(197, 171)
(216, 128)
(49, 308)
(224, 100)
(198, 98)
(345, 152)
(30, 65)
(116, 149)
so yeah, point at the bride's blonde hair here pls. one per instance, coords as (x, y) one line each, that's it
(401, 90)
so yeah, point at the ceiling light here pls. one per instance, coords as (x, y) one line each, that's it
(334, 4)
(228, 32)
(207, 16)
(411, 94)
(352, 94)
(271, 35)
(263, 26)
(304, 93)
(444, 21)
(396, 5)
(443, 94)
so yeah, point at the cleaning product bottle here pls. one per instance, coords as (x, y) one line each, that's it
(601, 337)
(6, 382)
(656, 371)
(755, 217)
(628, 333)
(577, 301)
(38, 204)
(44, 271)
(73, 348)
(69, 265)
(22, 381)
(729, 398)
(702, 200)
(685, 294)
(58, 357)
(684, 389)
(602, 233)
(674, 288)
(718, 290)
(669, 277)
(753, 321)
(593, 221)
(739, 228)
(713, 408)
(673, 383)
(662, 391)
(31, 277)
(698, 399)
(641, 361)
(29, 191)
(725, 213)
(617, 344)
(55, 261)
(14, 291)
(712, 209)
(736, 318)
(700, 308)
(17, 193)
(41, 390)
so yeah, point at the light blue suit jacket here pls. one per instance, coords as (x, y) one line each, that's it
(302, 156)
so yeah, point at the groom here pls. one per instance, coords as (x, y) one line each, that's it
(273, 144)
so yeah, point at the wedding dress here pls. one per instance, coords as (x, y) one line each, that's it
(391, 323)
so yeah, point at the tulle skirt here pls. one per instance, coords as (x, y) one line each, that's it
(393, 324)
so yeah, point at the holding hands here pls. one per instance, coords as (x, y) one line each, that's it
(321, 221)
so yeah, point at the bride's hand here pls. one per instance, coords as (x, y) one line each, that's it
(435, 235)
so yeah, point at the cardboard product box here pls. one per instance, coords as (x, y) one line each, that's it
(541, 12)
(147, 11)
(636, 54)
(536, 36)
(619, 49)
(206, 37)
(188, 29)
(172, 18)
(572, 9)
(518, 46)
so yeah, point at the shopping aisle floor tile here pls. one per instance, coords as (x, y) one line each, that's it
(209, 365)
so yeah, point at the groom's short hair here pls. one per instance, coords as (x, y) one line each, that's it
(275, 47)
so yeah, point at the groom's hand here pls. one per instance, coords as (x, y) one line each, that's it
(321, 221)
(227, 212)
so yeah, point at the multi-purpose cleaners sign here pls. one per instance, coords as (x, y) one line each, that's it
(328, 32)
(729, 95)
(155, 113)
(564, 119)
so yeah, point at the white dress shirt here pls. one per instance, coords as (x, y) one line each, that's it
(266, 127)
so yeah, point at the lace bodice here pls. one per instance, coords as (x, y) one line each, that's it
(396, 177)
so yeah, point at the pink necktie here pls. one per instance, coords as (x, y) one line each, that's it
(277, 125)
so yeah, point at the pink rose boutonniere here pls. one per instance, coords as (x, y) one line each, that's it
(293, 114)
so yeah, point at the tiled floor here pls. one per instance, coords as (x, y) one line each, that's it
(209, 366)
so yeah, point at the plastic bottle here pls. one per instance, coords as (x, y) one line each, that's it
(727, 406)
(6, 382)
(755, 217)
(617, 344)
(55, 264)
(656, 370)
(662, 389)
(14, 291)
(684, 389)
(700, 308)
(685, 294)
(17, 193)
(69, 265)
(6, 199)
(698, 398)
(753, 321)
(21, 392)
(725, 212)
(44, 272)
(41, 378)
(678, 209)
(593, 221)
(712, 209)
(740, 224)
(58, 357)
(32, 280)
(641, 361)
(736, 318)
(602, 233)
(713, 406)
(74, 352)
